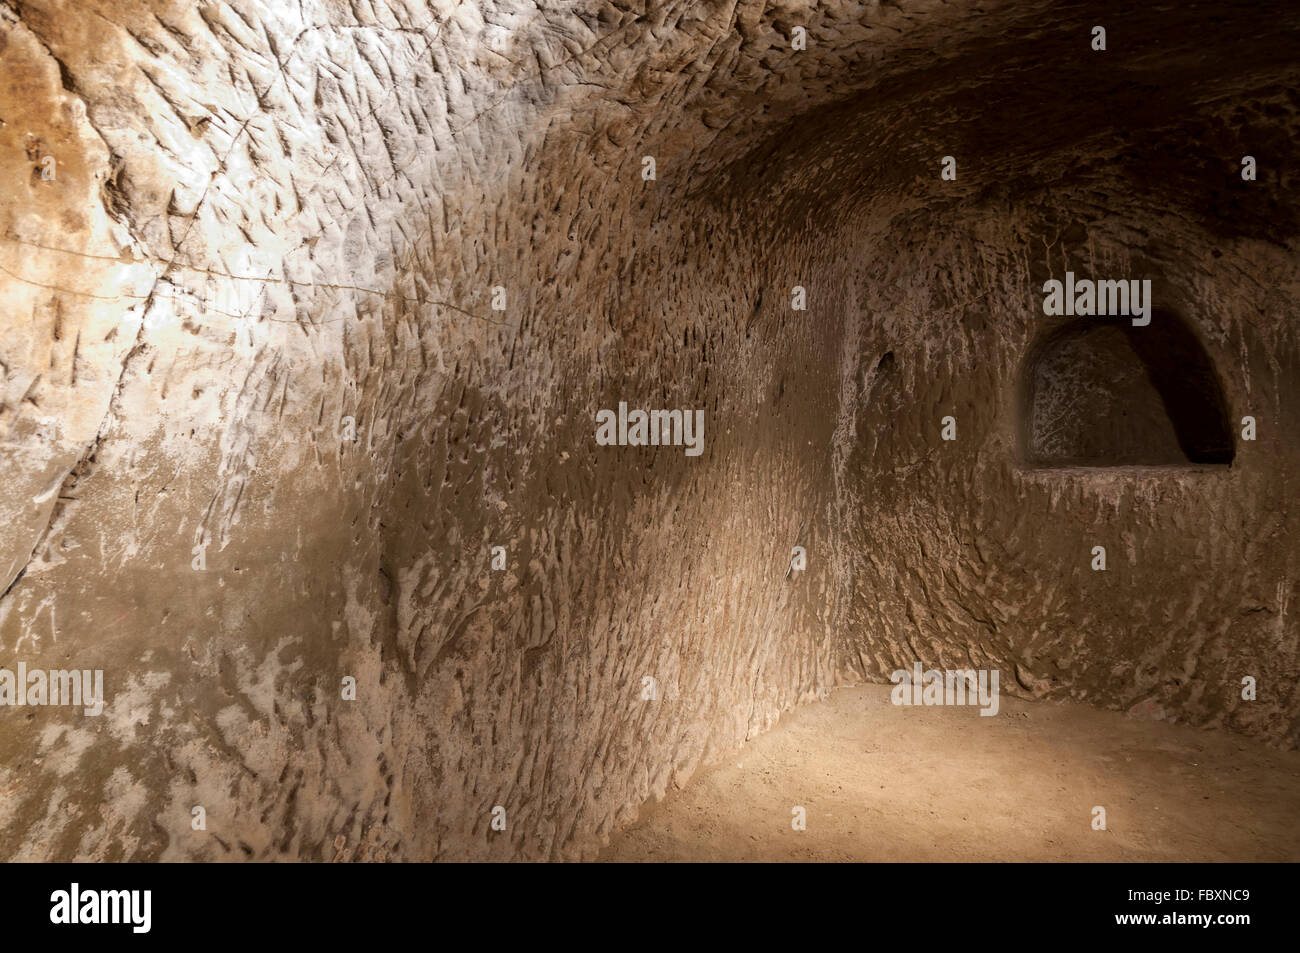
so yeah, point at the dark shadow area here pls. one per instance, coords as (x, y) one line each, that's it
(1100, 392)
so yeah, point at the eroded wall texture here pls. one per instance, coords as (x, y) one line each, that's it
(316, 302)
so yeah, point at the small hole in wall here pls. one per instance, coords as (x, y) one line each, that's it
(1100, 392)
(872, 374)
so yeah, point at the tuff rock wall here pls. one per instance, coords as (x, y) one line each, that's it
(261, 425)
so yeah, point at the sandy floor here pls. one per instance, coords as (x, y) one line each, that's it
(887, 783)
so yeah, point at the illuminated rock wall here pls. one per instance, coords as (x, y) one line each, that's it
(316, 304)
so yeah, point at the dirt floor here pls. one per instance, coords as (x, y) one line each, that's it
(887, 783)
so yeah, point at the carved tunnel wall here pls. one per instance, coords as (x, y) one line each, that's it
(261, 426)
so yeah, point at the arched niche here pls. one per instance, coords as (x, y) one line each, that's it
(1099, 392)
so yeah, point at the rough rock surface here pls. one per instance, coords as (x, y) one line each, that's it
(249, 325)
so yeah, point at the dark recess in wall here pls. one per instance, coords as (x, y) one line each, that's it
(1100, 392)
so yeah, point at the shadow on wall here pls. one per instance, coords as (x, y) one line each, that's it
(1099, 392)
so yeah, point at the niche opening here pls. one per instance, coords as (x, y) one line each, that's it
(1099, 392)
